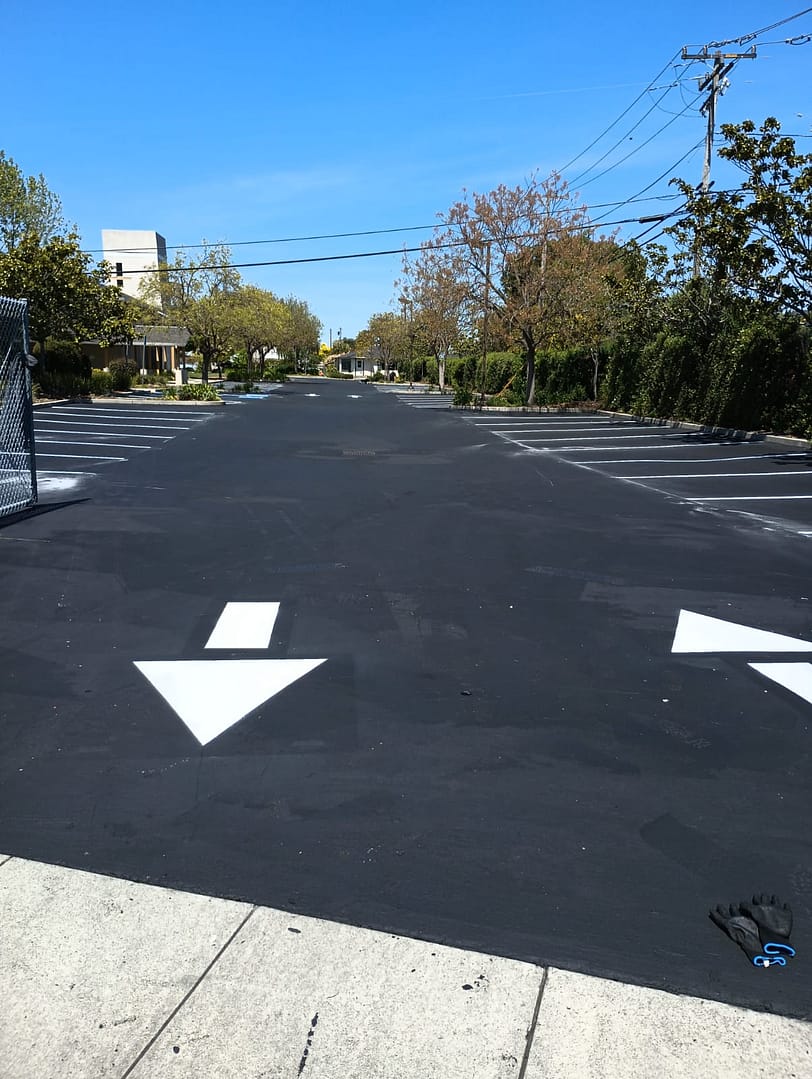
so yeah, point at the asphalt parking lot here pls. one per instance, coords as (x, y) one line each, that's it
(73, 441)
(760, 476)
(517, 717)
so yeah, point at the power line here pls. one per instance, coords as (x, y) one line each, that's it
(627, 110)
(359, 254)
(622, 139)
(637, 149)
(662, 176)
(744, 38)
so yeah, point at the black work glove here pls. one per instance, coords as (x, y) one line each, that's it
(742, 930)
(774, 921)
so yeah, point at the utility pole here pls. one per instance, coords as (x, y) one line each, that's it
(716, 83)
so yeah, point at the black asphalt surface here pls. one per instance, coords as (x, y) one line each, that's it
(500, 752)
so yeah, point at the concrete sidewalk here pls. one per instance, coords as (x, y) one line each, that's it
(101, 978)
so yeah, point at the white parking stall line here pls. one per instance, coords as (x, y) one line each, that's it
(694, 460)
(750, 498)
(629, 449)
(43, 441)
(583, 438)
(130, 434)
(717, 475)
(126, 426)
(79, 457)
(80, 414)
(536, 430)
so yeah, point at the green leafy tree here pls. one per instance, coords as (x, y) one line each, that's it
(200, 295)
(68, 294)
(27, 206)
(258, 318)
(299, 333)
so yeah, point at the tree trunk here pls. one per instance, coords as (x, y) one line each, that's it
(441, 373)
(530, 374)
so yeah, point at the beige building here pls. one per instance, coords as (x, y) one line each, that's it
(133, 255)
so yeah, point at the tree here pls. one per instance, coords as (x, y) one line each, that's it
(68, 296)
(200, 295)
(504, 240)
(436, 292)
(27, 206)
(299, 332)
(257, 322)
(756, 240)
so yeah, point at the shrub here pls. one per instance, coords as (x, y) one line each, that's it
(377, 377)
(101, 384)
(277, 372)
(203, 392)
(122, 372)
(463, 396)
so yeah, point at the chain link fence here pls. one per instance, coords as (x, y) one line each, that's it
(18, 476)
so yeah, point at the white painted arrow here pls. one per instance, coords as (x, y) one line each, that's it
(796, 677)
(211, 695)
(701, 633)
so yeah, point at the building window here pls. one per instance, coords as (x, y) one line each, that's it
(119, 273)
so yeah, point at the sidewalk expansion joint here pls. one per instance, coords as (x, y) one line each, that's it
(531, 1030)
(186, 997)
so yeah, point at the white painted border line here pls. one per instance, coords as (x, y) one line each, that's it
(692, 460)
(99, 434)
(715, 475)
(750, 498)
(80, 457)
(42, 441)
(535, 429)
(80, 413)
(110, 410)
(244, 625)
(629, 449)
(582, 438)
(90, 423)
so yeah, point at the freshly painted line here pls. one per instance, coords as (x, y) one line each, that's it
(244, 625)
(79, 412)
(629, 449)
(584, 438)
(79, 457)
(90, 423)
(692, 460)
(702, 633)
(751, 498)
(212, 695)
(796, 677)
(42, 441)
(99, 434)
(717, 475)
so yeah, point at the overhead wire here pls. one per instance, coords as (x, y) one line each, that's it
(625, 112)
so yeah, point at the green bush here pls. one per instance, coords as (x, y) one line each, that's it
(277, 372)
(463, 396)
(203, 392)
(377, 377)
(101, 384)
(122, 372)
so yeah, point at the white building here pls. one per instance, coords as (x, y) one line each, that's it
(133, 254)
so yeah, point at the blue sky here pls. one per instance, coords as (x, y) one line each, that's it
(261, 121)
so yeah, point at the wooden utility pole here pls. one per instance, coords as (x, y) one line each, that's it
(714, 82)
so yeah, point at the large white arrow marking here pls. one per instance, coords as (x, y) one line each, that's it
(211, 695)
(701, 633)
(796, 677)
